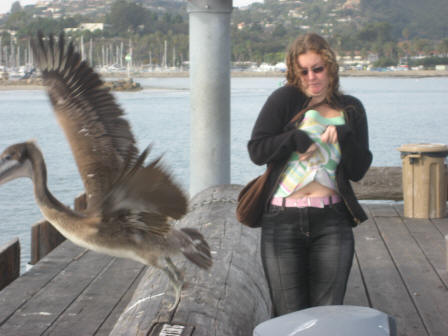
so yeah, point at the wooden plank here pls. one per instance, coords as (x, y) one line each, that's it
(42, 310)
(431, 242)
(44, 238)
(231, 299)
(91, 309)
(384, 285)
(426, 288)
(399, 208)
(109, 323)
(25, 287)
(356, 293)
(382, 210)
(441, 224)
(9, 262)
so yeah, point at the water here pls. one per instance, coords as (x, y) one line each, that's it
(400, 110)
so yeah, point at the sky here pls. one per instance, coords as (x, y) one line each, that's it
(5, 5)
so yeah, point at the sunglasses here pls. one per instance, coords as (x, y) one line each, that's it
(315, 70)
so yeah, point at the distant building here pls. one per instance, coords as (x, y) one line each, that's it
(352, 4)
(87, 26)
(441, 67)
(372, 58)
(8, 31)
(92, 26)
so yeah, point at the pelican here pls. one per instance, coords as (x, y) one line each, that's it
(130, 206)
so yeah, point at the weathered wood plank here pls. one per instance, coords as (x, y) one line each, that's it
(25, 287)
(383, 210)
(356, 294)
(44, 238)
(91, 309)
(229, 300)
(9, 262)
(107, 326)
(384, 285)
(426, 288)
(431, 242)
(441, 224)
(51, 301)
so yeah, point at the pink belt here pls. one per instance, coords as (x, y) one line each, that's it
(315, 202)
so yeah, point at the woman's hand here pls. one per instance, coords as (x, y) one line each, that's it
(330, 135)
(309, 152)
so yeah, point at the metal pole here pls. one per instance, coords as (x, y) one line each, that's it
(210, 93)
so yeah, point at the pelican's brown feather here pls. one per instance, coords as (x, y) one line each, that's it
(149, 190)
(129, 224)
(99, 137)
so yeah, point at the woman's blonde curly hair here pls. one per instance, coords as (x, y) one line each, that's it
(316, 43)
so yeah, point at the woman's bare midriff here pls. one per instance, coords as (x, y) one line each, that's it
(314, 189)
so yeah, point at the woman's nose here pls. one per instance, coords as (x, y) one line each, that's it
(311, 74)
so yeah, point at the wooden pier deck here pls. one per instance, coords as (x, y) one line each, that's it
(400, 268)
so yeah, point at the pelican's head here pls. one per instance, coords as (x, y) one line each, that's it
(15, 162)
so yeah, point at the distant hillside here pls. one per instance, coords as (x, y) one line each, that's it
(425, 19)
(407, 18)
(390, 30)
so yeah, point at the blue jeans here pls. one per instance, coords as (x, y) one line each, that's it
(307, 254)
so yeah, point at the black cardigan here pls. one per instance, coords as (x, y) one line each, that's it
(274, 138)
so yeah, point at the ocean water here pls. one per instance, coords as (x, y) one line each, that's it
(399, 110)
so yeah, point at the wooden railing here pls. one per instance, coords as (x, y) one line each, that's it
(9, 262)
(44, 238)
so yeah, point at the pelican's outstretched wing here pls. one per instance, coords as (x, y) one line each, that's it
(146, 189)
(100, 138)
(148, 194)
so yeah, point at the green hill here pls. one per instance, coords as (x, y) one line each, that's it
(421, 19)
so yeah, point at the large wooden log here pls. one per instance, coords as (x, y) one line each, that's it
(230, 299)
(380, 183)
(9, 262)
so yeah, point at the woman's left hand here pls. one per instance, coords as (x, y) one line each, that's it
(330, 135)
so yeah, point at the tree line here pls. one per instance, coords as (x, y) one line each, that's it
(163, 37)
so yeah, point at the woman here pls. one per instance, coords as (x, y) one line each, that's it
(307, 241)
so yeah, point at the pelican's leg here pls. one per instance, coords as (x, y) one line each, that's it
(176, 280)
(175, 270)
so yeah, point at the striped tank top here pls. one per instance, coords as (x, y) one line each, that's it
(321, 166)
